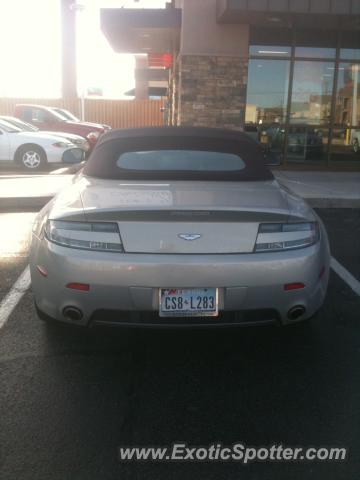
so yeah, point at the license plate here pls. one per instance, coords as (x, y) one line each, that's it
(180, 302)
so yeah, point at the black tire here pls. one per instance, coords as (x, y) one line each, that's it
(31, 158)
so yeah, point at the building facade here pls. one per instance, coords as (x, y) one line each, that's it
(286, 71)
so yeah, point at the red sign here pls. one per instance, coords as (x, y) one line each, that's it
(160, 60)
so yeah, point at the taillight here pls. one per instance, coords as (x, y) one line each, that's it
(286, 236)
(99, 236)
(293, 286)
(84, 287)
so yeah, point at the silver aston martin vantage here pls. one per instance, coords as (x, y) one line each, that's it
(178, 226)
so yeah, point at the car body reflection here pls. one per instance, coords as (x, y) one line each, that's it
(303, 141)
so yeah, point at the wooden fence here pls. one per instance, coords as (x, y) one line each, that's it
(116, 113)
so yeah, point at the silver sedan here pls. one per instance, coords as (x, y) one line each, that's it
(178, 226)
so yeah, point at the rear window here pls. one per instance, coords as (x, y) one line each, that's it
(180, 161)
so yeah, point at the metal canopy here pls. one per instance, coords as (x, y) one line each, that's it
(323, 14)
(141, 30)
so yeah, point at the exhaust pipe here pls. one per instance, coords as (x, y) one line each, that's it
(295, 312)
(73, 313)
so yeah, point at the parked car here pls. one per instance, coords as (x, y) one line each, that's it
(77, 140)
(252, 130)
(302, 140)
(356, 141)
(182, 223)
(70, 116)
(33, 150)
(46, 118)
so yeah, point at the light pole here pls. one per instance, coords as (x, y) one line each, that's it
(79, 8)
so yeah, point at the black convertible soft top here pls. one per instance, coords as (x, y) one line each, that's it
(102, 161)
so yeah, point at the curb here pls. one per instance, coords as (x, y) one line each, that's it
(333, 202)
(69, 170)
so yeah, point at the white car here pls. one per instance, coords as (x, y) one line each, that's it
(77, 140)
(33, 150)
(356, 141)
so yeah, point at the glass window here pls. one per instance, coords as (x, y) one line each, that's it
(315, 52)
(267, 91)
(27, 114)
(180, 160)
(8, 127)
(312, 92)
(270, 51)
(307, 142)
(347, 110)
(350, 53)
(39, 115)
(27, 127)
(65, 114)
(266, 105)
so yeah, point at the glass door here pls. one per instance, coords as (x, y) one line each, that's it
(346, 135)
(310, 110)
(266, 104)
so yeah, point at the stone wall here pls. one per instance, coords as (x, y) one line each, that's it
(212, 91)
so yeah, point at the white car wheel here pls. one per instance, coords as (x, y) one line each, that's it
(32, 158)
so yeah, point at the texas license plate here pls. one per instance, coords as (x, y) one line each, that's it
(180, 302)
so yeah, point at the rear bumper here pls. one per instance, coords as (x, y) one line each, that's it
(118, 318)
(152, 319)
(123, 283)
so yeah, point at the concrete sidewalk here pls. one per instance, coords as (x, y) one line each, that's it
(30, 191)
(320, 189)
(323, 189)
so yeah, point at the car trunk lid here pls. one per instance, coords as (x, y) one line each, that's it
(185, 217)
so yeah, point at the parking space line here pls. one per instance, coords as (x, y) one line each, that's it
(13, 297)
(345, 275)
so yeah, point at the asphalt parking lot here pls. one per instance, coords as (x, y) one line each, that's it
(69, 398)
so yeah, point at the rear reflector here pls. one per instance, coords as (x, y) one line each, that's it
(84, 287)
(322, 271)
(293, 286)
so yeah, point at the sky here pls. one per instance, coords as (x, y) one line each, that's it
(30, 38)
